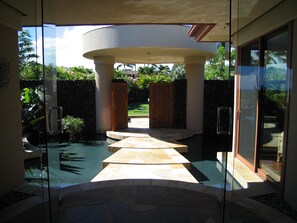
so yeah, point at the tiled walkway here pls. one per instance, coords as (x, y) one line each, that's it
(139, 155)
(139, 136)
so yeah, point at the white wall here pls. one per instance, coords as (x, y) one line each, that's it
(11, 153)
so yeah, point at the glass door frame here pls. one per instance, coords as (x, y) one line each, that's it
(255, 166)
(252, 166)
(286, 28)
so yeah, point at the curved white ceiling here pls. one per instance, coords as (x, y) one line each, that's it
(144, 44)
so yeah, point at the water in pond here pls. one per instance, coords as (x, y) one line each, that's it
(80, 162)
(70, 163)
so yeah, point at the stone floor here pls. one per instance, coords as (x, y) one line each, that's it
(146, 157)
(148, 200)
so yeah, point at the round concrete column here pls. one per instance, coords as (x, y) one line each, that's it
(195, 87)
(104, 67)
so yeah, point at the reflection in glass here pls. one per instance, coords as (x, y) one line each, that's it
(248, 101)
(274, 97)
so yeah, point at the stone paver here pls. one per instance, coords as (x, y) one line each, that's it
(147, 157)
(147, 143)
(174, 172)
(139, 127)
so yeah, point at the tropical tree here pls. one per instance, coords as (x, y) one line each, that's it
(28, 66)
(120, 74)
(163, 69)
(144, 80)
(75, 73)
(177, 72)
(218, 67)
(31, 71)
(147, 70)
(275, 57)
(131, 66)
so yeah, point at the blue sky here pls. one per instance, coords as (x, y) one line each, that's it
(68, 44)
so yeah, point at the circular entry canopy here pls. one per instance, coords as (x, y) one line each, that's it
(151, 44)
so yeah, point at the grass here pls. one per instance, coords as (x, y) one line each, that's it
(138, 109)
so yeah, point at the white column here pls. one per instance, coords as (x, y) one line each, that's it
(195, 90)
(104, 67)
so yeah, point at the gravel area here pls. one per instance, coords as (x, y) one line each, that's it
(273, 200)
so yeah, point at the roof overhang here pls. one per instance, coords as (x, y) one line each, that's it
(113, 12)
(145, 44)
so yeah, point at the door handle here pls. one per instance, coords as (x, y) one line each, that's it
(224, 120)
(59, 116)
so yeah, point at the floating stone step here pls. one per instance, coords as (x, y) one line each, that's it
(147, 143)
(155, 156)
(175, 172)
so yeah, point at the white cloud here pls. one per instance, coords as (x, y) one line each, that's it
(69, 47)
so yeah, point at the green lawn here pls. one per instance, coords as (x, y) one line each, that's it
(138, 109)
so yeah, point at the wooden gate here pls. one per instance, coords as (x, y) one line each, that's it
(119, 105)
(161, 105)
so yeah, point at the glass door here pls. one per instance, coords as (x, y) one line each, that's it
(274, 101)
(249, 82)
(213, 170)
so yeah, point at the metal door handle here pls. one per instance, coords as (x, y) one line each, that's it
(226, 128)
(59, 110)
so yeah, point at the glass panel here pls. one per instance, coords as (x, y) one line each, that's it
(248, 101)
(50, 86)
(33, 106)
(33, 111)
(273, 106)
(70, 163)
(52, 111)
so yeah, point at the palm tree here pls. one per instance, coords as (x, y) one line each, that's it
(177, 72)
(275, 57)
(163, 69)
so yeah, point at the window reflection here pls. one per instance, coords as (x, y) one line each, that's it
(248, 101)
(274, 96)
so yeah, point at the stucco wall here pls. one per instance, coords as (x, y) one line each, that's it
(11, 154)
(274, 19)
(78, 99)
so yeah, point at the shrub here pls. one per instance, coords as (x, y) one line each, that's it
(144, 80)
(74, 126)
(32, 109)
